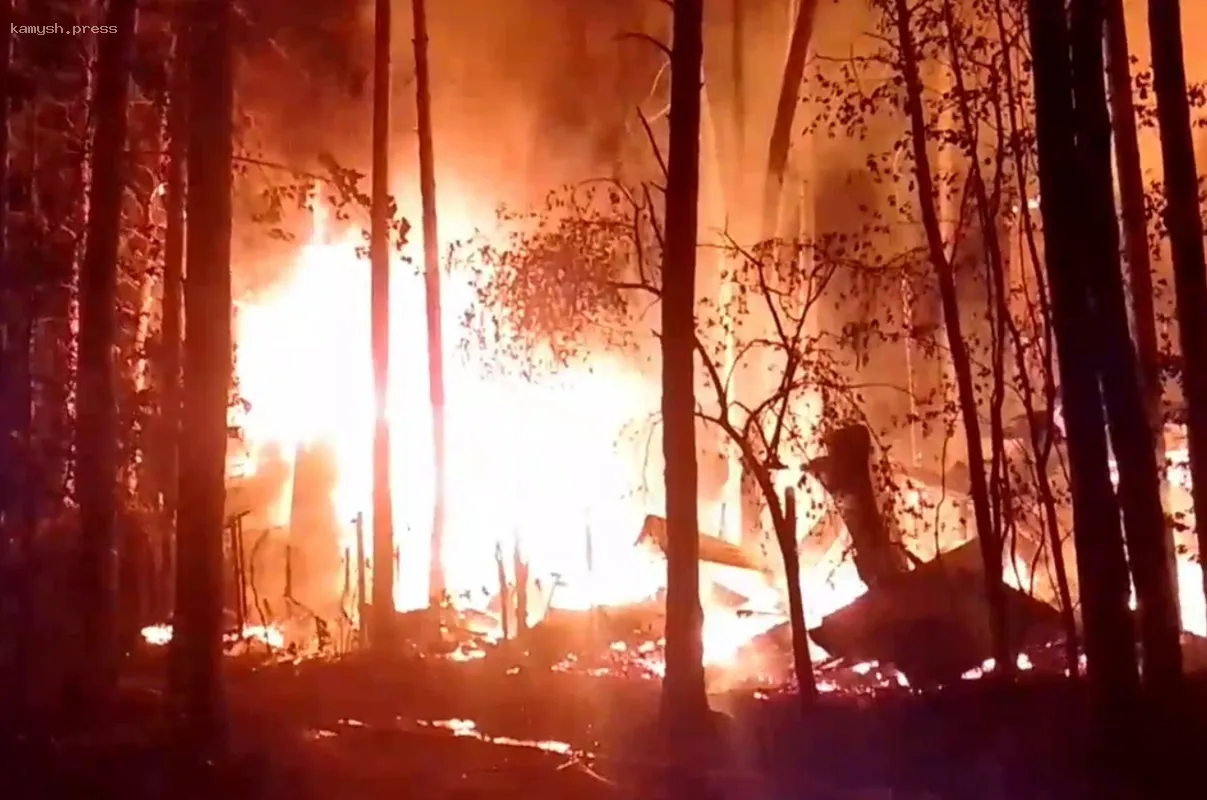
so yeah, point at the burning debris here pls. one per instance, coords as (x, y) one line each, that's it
(930, 622)
(923, 619)
(468, 728)
(270, 636)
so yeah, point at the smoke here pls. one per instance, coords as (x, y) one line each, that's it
(527, 94)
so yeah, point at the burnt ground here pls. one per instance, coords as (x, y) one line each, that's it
(330, 730)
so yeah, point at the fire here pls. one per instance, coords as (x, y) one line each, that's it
(1191, 601)
(161, 634)
(556, 464)
(541, 462)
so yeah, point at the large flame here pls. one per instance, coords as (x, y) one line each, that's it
(541, 461)
(556, 464)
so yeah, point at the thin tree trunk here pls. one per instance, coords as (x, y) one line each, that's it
(1102, 565)
(431, 283)
(989, 535)
(505, 607)
(737, 56)
(802, 663)
(379, 257)
(1040, 429)
(1135, 229)
(8, 280)
(207, 370)
(173, 284)
(1185, 228)
(684, 704)
(1135, 240)
(96, 410)
(12, 571)
(1131, 435)
(785, 113)
(520, 569)
(999, 481)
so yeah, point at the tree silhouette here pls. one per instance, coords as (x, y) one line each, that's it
(684, 705)
(379, 257)
(96, 416)
(1184, 223)
(207, 372)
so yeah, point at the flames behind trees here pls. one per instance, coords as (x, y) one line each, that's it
(553, 402)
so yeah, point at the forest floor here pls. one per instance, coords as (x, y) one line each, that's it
(430, 728)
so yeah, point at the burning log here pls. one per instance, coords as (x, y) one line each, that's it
(845, 472)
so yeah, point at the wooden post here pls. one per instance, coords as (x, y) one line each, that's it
(394, 574)
(347, 572)
(590, 542)
(236, 583)
(288, 571)
(504, 593)
(240, 570)
(361, 601)
(521, 590)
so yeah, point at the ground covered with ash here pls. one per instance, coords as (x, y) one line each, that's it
(422, 727)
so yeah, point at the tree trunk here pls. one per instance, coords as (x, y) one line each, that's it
(7, 277)
(96, 410)
(684, 704)
(987, 532)
(207, 370)
(12, 571)
(998, 308)
(1131, 435)
(1041, 424)
(1135, 228)
(379, 257)
(431, 283)
(1185, 228)
(737, 55)
(846, 473)
(173, 283)
(802, 663)
(1102, 564)
(785, 112)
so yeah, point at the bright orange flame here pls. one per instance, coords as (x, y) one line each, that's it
(543, 462)
(553, 462)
